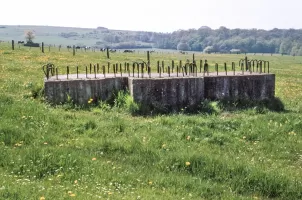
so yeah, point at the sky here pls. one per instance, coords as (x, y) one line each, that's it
(154, 15)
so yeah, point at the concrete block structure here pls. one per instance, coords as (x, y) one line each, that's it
(173, 91)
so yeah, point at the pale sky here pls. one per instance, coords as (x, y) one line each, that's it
(154, 15)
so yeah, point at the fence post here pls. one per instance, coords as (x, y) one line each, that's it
(13, 45)
(73, 50)
(42, 47)
(108, 53)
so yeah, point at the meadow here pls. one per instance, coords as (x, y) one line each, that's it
(105, 152)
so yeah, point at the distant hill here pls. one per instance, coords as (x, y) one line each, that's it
(285, 41)
(98, 37)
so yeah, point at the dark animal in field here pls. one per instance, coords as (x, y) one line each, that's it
(69, 47)
(183, 52)
(128, 51)
(78, 47)
(20, 42)
(102, 49)
(112, 50)
(152, 51)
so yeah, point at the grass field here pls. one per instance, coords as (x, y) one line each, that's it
(104, 152)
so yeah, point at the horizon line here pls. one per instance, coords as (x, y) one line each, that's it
(58, 26)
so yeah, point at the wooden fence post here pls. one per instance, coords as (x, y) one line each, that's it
(108, 53)
(73, 50)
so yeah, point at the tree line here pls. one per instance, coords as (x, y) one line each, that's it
(284, 41)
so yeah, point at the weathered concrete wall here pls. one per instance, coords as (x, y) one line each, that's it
(171, 93)
(80, 91)
(253, 87)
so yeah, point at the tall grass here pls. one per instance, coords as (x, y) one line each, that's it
(110, 151)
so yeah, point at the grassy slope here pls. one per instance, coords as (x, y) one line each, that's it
(107, 153)
(50, 34)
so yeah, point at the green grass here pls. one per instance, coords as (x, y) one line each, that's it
(105, 152)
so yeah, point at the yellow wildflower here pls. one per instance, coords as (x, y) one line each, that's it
(188, 163)
(292, 133)
(90, 101)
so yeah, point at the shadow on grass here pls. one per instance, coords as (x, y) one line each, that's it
(274, 104)
(215, 107)
(205, 107)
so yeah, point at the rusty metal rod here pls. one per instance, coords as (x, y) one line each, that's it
(77, 71)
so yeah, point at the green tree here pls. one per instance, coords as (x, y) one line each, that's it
(29, 36)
